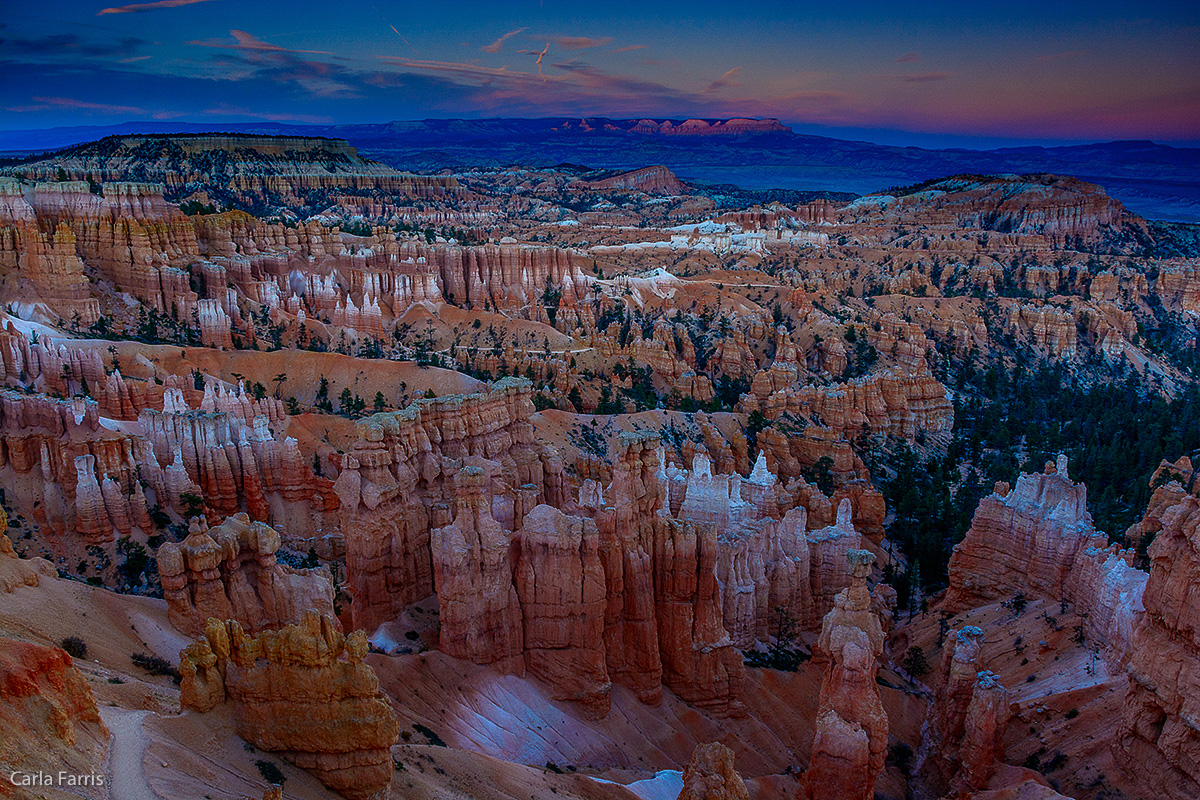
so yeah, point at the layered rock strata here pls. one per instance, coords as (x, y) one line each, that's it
(303, 692)
(1038, 539)
(1159, 734)
(852, 727)
(230, 572)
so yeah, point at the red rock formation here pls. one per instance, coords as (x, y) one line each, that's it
(55, 274)
(48, 714)
(1051, 331)
(53, 437)
(829, 548)
(627, 520)
(1039, 540)
(652, 180)
(982, 748)
(230, 572)
(478, 607)
(226, 452)
(699, 661)
(1159, 736)
(967, 720)
(710, 775)
(852, 727)
(898, 402)
(560, 582)
(294, 694)
(396, 485)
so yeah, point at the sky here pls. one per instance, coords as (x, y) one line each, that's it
(919, 73)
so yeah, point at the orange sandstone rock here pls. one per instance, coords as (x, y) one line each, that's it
(230, 572)
(302, 691)
(851, 732)
(710, 775)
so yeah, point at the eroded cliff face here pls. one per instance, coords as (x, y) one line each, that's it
(304, 692)
(968, 718)
(852, 727)
(653, 579)
(1038, 539)
(397, 484)
(230, 572)
(48, 713)
(1159, 735)
(228, 452)
(74, 474)
(560, 582)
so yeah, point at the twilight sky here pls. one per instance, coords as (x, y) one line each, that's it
(899, 72)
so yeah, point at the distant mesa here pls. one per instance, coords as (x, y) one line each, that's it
(709, 127)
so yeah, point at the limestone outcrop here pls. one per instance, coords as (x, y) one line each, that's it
(304, 692)
(230, 572)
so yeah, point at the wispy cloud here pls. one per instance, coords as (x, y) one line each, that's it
(138, 8)
(1061, 56)
(574, 42)
(68, 44)
(630, 48)
(458, 69)
(246, 41)
(498, 45)
(726, 81)
(907, 57)
(924, 77)
(251, 57)
(50, 103)
(226, 111)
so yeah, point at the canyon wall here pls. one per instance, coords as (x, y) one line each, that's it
(1159, 734)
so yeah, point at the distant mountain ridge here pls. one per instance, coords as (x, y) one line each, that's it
(1155, 180)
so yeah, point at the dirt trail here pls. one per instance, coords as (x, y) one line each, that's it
(126, 779)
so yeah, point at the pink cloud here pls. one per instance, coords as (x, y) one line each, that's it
(48, 103)
(925, 77)
(908, 57)
(630, 48)
(498, 45)
(246, 41)
(137, 8)
(575, 42)
(726, 81)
